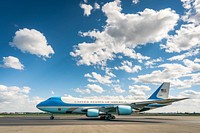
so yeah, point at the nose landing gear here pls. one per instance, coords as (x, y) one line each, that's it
(52, 117)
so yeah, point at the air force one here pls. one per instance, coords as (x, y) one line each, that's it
(106, 109)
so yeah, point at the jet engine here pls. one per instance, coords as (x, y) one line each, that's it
(92, 113)
(124, 110)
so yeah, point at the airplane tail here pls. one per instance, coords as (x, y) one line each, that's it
(162, 92)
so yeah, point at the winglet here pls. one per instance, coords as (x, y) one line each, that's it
(162, 92)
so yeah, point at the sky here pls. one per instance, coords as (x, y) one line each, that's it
(122, 49)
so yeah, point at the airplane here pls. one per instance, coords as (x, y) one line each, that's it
(107, 109)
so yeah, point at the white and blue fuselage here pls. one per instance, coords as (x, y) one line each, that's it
(77, 105)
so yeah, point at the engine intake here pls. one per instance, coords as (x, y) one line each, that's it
(92, 113)
(124, 110)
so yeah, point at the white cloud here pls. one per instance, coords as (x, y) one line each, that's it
(16, 99)
(87, 9)
(196, 60)
(138, 91)
(128, 67)
(109, 72)
(191, 65)
(122, 33)
(96, 6)
(26, 89)
(119, 90)
(32, 41)
(128, 27)
(138, 94)
(109, 97)
(185, 55)
(82, 91)
(12, 62)
(192, 14)
(140, 87)
(187, 4)
(173, 73)
(95, 88)
(153, 62)
(186, 38)
(190, 94)
(94, 77)
(135, 1)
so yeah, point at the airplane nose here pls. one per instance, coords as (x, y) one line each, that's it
(38, 105)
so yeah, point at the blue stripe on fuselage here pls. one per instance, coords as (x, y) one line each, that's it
(56, 101)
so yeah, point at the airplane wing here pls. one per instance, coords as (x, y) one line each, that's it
(139, 106)
(151, 104)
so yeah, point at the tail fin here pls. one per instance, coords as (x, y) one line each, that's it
(162, 92)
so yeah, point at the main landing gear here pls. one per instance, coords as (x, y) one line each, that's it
(52, 117)
(107, 117)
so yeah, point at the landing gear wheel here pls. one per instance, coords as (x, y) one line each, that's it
(110, 117)
(52, 117)
(113, 117)
(102, 117)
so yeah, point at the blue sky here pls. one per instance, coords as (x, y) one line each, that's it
(98, 49)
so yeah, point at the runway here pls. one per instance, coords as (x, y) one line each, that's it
(127, 124)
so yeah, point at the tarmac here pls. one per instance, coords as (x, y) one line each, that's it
(82, 124)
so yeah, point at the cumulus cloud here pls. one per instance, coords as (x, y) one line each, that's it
(184, 55)
(109, 72)
(138, 91)
(109, 97)
(186, 38)
(196, 60)
(94, 77)
(87, 9)
(192, 65)
(12, 62)
(16, 99)
(128, 67)
(173, 73)
(95, 88)
(151, 63)
(119, 90)
(32, 41)
(140, 87)
(124, 32)
(192, 14)
(82, 91)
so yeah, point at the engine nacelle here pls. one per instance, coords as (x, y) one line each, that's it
(92, 113)
(124, 110)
